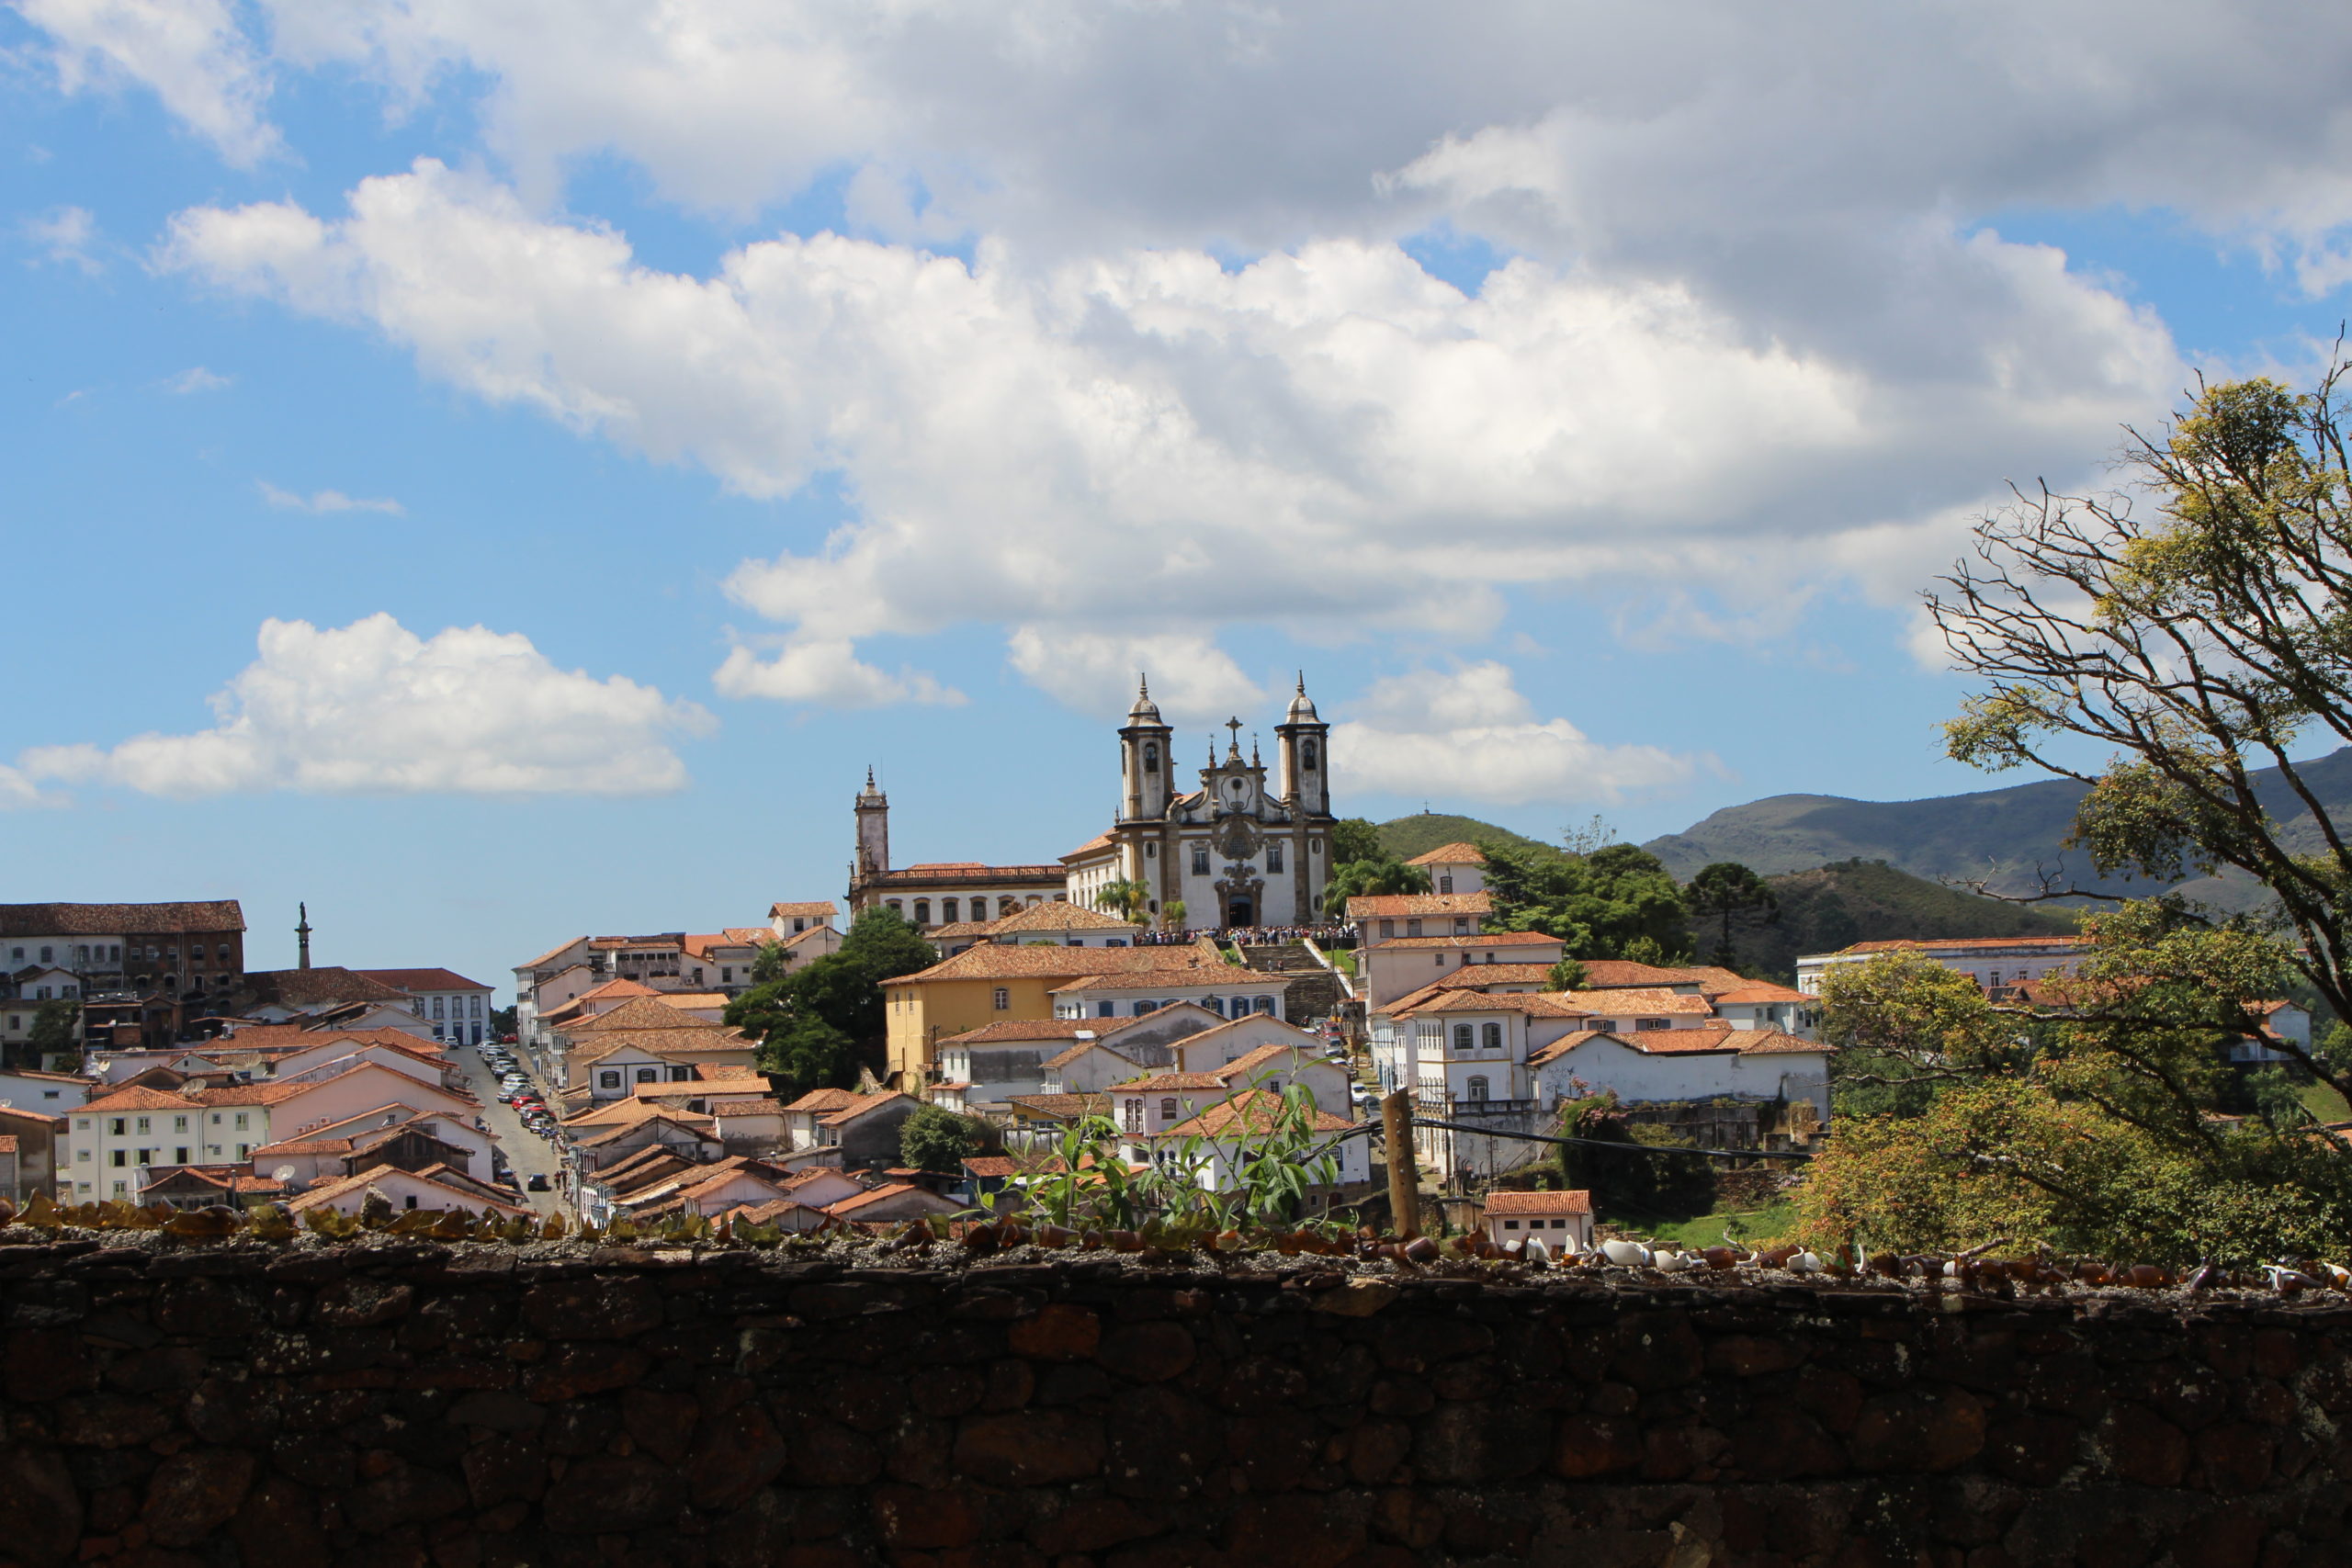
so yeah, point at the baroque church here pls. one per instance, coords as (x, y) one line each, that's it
(1238, 851)
(1241, 850)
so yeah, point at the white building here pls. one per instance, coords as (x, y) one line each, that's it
(1396, 966)
(457, 1009)
(1216, 1144)
(1679, 1064)
(1561, 1221)
(1454, 868)
(1992, 962)
(1224, 989)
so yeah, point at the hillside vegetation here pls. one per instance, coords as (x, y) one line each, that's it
(1821, 908)
(1996, 835)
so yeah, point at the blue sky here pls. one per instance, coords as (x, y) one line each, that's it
(889, 394)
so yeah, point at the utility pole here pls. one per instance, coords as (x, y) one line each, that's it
(1404, 1176)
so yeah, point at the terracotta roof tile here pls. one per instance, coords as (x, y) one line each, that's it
(120, 920)
(1251, 1110)
(1224, 976)
(1405, 906)
(424, 979)
(1452, 855)
(1573, 1202)
(1024, 1031)
(1059, 914)
(1489, 939)
(813, 910)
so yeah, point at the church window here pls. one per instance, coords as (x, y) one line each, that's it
(922, 911)
(1273, 858)
(1151, 756)
(1306, 754)
(1200, 860)
(1151, 851)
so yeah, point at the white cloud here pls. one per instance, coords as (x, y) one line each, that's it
(66, 236)
(371, 709)
(327, 500)
(189, 53)
(1469, 734)
(197, 378)
(825, 672)
(1333, 435)
(1096, 673)
(18, 790)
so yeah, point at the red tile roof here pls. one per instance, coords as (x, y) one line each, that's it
(819, 909)
(1574, 1202)
(1891, 944)
(1015, 1030)
(424, 979)
(1403, 906)
(1488, 939)
(1251, 1110)
(121, 919)
(1452, 855)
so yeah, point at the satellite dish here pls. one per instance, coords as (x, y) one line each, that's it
(283, 1173)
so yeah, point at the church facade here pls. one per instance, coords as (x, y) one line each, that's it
(1241, 850)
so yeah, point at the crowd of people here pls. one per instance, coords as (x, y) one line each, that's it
(1328, 935)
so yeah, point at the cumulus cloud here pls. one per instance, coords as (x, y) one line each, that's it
(1153, 436)
(372, 708)
(825, 672)
(190, 53)
(1097, 672)
(197, 378)
(327, 500)
(1468, 734)
(66, 236)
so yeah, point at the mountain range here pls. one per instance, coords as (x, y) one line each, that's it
(2002, 837)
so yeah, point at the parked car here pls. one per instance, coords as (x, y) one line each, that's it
(538, 1182)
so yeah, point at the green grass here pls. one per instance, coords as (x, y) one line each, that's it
(1707, 1230)
(2324, 1103)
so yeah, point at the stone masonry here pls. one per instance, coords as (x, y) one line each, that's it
(394, 1404)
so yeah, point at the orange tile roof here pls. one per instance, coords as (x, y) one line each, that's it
(1403, 906)
(1064, 1058)
(999, 961)
(1267, 1056)
(1095, 845)
(141, 1100)
(1626, 1001)
(1059, 914)
(1761, 992)
(1577, 1202)
(1158, 1081)
(1024, 1031)
(1891, 944)
(642, 1012)
(1224, 976)
(1061, 1107)
(424, 979)
(825, 1100)
(1251, 1110)
(1452, 855)
(866, 1104)
(811, 909)
(1488, 939)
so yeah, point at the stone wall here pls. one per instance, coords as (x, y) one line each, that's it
(397, 1403)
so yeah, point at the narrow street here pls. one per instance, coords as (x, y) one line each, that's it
(526, 1152)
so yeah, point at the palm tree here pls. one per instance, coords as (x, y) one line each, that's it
(1124, 898)
(1171, 915)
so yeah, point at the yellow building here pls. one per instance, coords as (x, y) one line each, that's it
(993, 983)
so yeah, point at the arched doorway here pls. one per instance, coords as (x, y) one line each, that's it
(1237, 912)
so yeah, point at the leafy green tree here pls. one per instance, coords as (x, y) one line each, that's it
(1732, 896)
(1124, 899)
(1567, 975)
(56, 1032)
(2278, 1098)
(935, 1138)
(1171, 915)
(504, 1021)
(1627, 1182)
(813, 1021)
(806, 1053)
(1366, 878)
(1356, 839)
(1601, 905)
(886, 946)
(2195, 641)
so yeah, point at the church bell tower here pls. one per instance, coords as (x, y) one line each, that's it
(873, 830)
(1305, 740)
(1146, 769)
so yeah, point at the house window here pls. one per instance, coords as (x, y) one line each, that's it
(922, 911)
(46, 955)
(947, 910)
(682, 1075)
(437, 1007)
(1132, 1111)
(142, 1123)
(179, 1156)
(121, 1158)
(1461, 925)
(1493, 1033)
(891, 905)
(1510, 1224)
(1653, 1023)
(179, 1123)
(1106, 1010)
(1412, 928)
(1264, 1005)
(1168, 1109)
(1273, 858)
(647, 1075)
(1478, 1088)
(1004, 997)
(241, 1120)
(1445, 885)
(1464, 1037)
(1200, 860)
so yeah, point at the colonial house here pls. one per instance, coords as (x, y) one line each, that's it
(1088, 1066)
(146, 970)
(33, 1139)
(1382, 916)
(457, 1009)
(1991, 962)
(787, 920)
(1064, 924)
(721, 961)
(1224, 989)
(1561, 1221)
(1230, 1041)
(1394, 966)
(206, 1187)
(386, 1135)
(1216, 1143)
(996, 1060)
(278, 996)
(1683, 1064)
(893, 1202)
(1759, 1005)
(692, 1138)
(403, 1191)
(1454, 868)
(52, 1093)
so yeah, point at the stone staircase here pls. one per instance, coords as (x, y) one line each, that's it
(1314, 990)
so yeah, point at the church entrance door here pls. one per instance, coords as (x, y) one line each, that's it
(1238, 913)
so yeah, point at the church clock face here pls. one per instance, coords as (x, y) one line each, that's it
(1236, 840)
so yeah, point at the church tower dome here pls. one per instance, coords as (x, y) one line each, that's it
(1302, 706)
(1146, 711)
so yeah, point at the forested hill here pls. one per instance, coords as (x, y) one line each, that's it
(1827, 908)
(1821, 908)
(1998, 836)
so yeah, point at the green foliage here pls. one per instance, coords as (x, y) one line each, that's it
(812, 1022)
(1732, 897)
(935, 1138)
(1355, 838)
(1859, 901)
(1625, 1181)
(1417, 835)
(1171, 915)
(56, 1032)
(1124, 899)
(2279, 1099)
(504, 1021)
(1567, 975)
(1602, 904)
(1365, 878)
